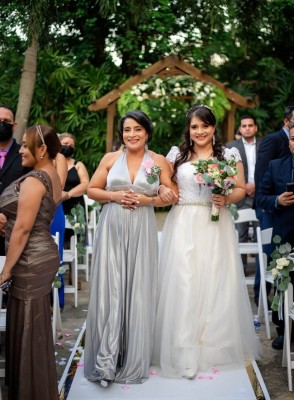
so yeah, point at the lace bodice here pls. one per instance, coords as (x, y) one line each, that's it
(189, 190)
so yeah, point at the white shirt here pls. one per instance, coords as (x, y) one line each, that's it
(250, 150)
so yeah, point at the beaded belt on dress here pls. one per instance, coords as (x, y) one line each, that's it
(198, 203)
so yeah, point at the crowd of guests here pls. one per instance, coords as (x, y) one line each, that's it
(166, 305)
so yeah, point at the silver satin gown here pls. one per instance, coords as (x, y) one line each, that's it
(121, 313)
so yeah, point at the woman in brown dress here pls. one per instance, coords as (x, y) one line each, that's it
(32, 262)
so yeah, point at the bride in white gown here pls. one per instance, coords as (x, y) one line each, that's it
(204, 319)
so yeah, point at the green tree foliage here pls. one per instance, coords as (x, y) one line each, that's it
(89, 48)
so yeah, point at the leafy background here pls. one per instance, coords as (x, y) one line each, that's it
(88, 48)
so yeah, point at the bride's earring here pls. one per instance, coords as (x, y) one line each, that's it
(213, 140)
(146, 146)
(191, 142)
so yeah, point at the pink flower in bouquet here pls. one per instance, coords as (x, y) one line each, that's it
(219, 176)
(198, 178)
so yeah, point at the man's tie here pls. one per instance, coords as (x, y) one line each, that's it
(3, 154)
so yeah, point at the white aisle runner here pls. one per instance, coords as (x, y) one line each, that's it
(224, 385)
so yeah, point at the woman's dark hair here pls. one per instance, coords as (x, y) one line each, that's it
(288, 112)
(205, 114)
(142, 120)
(35, 136)
(9, 109)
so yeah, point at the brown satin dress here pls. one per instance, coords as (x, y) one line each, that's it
(30, 360)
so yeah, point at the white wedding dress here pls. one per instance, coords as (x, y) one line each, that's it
(204, 319)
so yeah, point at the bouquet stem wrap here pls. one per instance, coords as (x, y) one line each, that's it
(214, 213)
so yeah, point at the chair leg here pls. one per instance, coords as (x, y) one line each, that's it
(287, 339)
(75, 281)
(54, 316)
(263, 305)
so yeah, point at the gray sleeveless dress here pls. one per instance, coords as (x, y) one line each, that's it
(121, 313)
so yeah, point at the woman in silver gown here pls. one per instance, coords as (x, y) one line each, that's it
(204, 319)
(121, 314)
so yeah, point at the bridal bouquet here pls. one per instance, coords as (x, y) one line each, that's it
(282, 263)
(152, 171)
(220, 176)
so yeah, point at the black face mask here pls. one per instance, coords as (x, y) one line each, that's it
(6, 131)
(67, 151)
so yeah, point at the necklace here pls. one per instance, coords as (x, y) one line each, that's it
(196, 157)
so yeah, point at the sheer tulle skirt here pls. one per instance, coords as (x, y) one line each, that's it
(204, 319)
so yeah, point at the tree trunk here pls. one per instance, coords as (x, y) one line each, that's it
(26, 89)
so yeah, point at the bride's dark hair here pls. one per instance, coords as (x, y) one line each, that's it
(205, 114)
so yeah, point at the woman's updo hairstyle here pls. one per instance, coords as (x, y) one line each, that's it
(37, 135)
(142, 120)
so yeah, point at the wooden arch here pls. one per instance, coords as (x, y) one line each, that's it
(169, 66)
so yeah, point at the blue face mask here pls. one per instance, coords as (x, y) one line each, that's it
(6, 131)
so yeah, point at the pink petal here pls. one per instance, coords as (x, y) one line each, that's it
(209, 378)
(125, 387)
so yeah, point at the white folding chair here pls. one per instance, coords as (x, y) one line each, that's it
(70, 257)
(264, 237)
(288, 317)
(56, 318)
(91, 213)
(247, 215)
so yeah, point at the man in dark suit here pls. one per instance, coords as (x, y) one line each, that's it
(248, 147)
(11, 168)
(272, 146)
(273, 197)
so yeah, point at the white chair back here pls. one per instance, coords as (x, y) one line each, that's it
(246, 215)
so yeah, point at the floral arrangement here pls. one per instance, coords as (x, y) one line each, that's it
(282, 263)
(220, 176)
(78, 222)
(152, 171)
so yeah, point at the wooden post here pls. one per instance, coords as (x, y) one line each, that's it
(110, 126)
(231, 123)
(228, 127)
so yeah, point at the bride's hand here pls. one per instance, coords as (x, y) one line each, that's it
(166, 194)
(218, 200)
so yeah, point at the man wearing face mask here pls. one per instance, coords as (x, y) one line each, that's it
(10, 160)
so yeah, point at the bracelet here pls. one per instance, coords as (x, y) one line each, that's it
(158, 194)
(152, 202)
